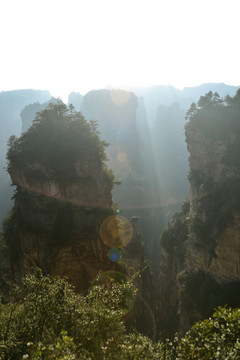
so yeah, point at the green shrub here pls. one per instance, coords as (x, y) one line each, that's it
(47, 320)
(215, 338)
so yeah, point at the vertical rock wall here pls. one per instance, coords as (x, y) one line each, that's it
(63, 195)
(200, 251)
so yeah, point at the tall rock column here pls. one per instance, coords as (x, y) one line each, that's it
(200, 251)
(63, 195)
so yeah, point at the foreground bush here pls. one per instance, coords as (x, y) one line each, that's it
(214, 338)
(48, 320)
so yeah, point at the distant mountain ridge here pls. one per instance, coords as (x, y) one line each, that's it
(150, 99)
(166, 95)
(11, 105)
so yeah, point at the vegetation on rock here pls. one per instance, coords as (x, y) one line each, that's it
(46, 319)
(216, 120)
(63, 194)
(57, 140)
(195, 243)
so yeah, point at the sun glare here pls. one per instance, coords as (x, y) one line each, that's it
(79, 46)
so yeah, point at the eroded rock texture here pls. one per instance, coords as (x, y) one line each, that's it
(200, 254)
(63, 195)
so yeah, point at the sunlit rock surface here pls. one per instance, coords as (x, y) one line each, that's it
(200, 251)
(90, 191)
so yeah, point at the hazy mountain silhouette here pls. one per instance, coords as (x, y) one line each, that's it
(29, 112)
(193, 93)
(76, 100)
(11, 104)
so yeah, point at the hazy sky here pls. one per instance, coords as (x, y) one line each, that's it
(79, 45)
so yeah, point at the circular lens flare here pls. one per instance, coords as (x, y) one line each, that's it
(148, 317)
(120, 97)
(121, 156)
(114, 254)
(116, 231)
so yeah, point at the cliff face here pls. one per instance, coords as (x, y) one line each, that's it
(213, 239)
(63, 196)
(115, 110)
(225, 265)
(208, 253)
(213, 189)
(90, 190)
(57, 236)
(119, 120)
(62, 220)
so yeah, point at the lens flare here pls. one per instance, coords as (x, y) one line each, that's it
(148, 317)
(114, 254)
(116, 231)
(121, 156)
(120, 97)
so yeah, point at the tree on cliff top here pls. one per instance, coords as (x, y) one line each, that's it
(58, 139)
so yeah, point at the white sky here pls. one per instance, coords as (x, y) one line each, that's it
(79, 45)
